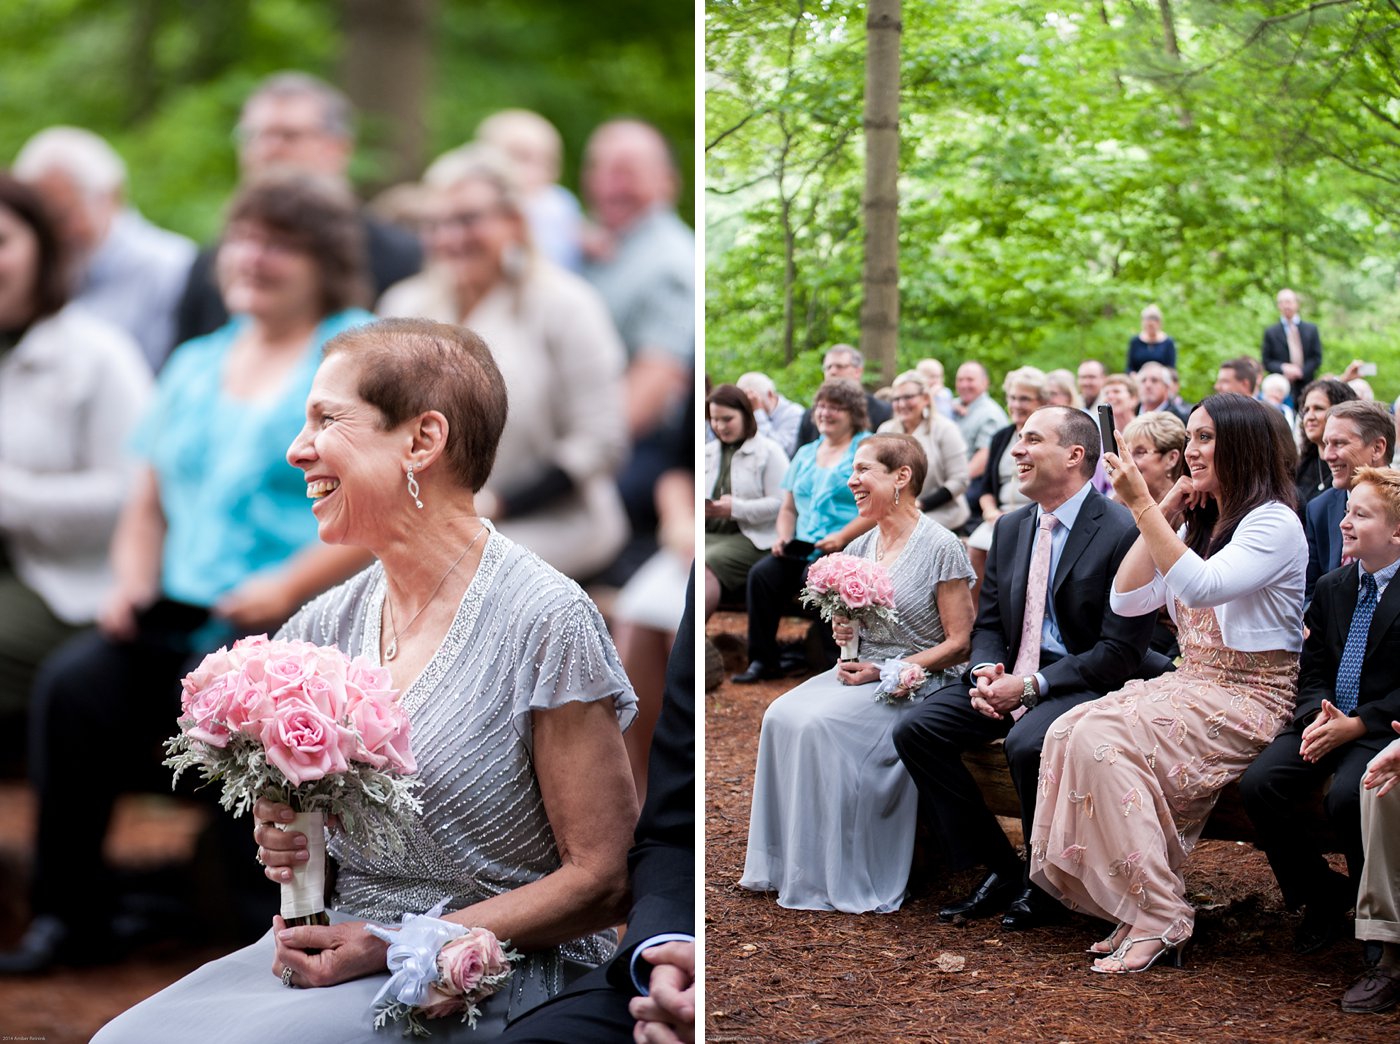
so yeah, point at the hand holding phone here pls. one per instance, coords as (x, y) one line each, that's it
(1110, 444)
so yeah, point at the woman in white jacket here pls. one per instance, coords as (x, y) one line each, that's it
(743, 491)
(71, 390)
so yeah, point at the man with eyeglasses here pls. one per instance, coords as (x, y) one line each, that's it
(295, 122)
(841, 360)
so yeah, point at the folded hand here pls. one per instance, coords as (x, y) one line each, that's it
(324, 956)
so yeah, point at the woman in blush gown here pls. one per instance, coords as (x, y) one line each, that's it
(834, 809)
(1127, 781)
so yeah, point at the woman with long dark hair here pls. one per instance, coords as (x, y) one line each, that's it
(1127, 781)
(1313, 477)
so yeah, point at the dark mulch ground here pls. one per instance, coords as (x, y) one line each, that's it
(793, 976)
(69, 1005)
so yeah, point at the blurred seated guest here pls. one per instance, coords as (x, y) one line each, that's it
(1060, 389)
(817, 516)
(214, 539)
(977, 415)
(743, 491)
(1378, 899)
(73, 388)
(1121, 392)
(1156, 442)
(1224, 551)
(1274, 390)
(513, 691)
(841, 361)
(1001, 490)
(649, 983)
(296, 123)
(404, 206)
(1150, 344)
(1357, 435)
(938, 393)
(834, 809)
(1155, 387)
(552, 212)
(940, 495)
(777, 417)
(1240, 376)
(1180, 406)
(555, 344)
(1347, 697)
(124, 269)
(1314, 477)
(1090, 378)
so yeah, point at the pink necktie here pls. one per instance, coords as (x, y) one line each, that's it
(1037, 586)
(1295, 343)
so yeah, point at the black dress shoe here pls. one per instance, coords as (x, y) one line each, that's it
(41, 947)
(1321, 926)
(989, 898)
(756, 672)
(1377, 990)
(1032, 909)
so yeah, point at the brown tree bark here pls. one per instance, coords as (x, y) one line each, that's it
(879, 321)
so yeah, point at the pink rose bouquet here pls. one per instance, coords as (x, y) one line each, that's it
(308, 726)
(899, 681)
(849, 586)
(438, 968)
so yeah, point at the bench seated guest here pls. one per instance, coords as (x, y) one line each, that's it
(1348, 693)
(941, 497)
(1378, 899)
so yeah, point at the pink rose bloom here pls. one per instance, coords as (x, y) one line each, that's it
(465, 961)
(855, 593)
(206, 708)
(369, 679)
(438, 1005)
(912, 677)
(250, 704)
(383, 730)
(326, 692)
(303, 743)
(213, 666)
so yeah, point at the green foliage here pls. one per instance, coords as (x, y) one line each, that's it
(1061, 169)
(163, 81)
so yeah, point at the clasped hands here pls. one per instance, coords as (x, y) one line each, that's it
(317, 956)
(997, 693)
(667, 1016)
(1328, 731)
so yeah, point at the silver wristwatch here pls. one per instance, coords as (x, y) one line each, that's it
(1029, 697)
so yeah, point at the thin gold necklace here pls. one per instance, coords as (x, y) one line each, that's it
(393, 649)
(881, 551)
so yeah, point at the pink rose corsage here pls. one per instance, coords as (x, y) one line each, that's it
(899, 681)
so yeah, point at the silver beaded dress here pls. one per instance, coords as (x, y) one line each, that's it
(525, 638)
(834, 809)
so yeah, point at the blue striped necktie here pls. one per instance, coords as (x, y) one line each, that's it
(1354, 654)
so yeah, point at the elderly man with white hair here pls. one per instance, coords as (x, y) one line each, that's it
(777, 417)
(125, 269)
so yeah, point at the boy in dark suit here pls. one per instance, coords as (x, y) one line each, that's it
(1348, 694)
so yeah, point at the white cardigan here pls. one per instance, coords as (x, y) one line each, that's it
(71, 393)
(756, 486)
(1254, 583)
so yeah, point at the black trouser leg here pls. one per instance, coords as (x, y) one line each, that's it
(773, 582)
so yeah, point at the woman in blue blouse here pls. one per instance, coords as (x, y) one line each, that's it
(1150, 344)
(215, 539)
(818, 517)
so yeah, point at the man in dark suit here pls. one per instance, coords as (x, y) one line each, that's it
(1080, 651)
(841, 360)
(1292, 347)
(1358, 435)
(650, 981)
(1348, 694)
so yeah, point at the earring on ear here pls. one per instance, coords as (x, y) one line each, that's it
(896, 496)
(413, 488)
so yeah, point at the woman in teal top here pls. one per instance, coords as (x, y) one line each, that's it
(818, 517)
(216, 539)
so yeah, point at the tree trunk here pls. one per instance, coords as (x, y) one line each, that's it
(879, 321)
(789, 283)
(387, 69)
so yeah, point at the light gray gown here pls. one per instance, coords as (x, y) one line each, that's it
(834, 809)
(525, 638)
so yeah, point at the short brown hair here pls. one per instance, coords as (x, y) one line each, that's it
(1372, 422)
(411, 366)
(846, 393)
(51, 288)
(1165, 431)
(1386, 482)
(897, 451)
(319, 218)
(732, 397)
(1245, 369)
(1127, 380)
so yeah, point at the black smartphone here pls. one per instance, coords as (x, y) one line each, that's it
(1106, 428)
(801, 549)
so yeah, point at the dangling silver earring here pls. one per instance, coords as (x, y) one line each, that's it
(413, 489)
(896, 496)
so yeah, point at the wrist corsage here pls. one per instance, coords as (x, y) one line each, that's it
(438, 968)
(899, 681)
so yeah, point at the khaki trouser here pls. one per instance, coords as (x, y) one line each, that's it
(1378, 899)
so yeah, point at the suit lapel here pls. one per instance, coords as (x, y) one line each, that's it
(1085, 526)
(1386, 611)
(1336, 511)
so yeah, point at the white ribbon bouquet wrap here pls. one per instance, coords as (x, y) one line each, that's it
(438, 968)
